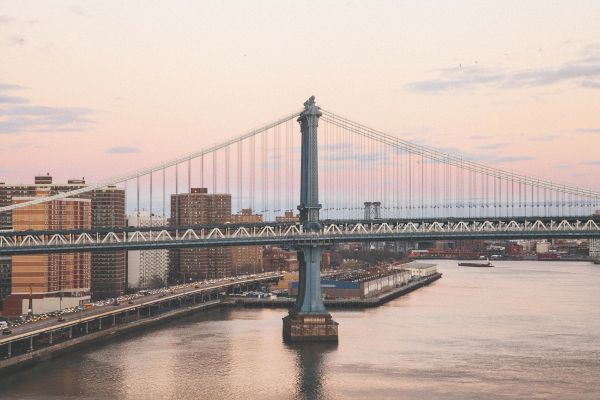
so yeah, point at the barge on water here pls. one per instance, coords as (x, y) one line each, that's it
(475, 264)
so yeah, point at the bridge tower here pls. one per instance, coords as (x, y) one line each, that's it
(308, 320)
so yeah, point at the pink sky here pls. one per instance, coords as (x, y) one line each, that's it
(98, 89)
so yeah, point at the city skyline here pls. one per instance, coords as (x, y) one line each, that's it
(495, 87)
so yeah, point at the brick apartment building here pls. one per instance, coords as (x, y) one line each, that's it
(198, 208)
(246, 259)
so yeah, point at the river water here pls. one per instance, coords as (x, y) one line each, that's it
(522, 330)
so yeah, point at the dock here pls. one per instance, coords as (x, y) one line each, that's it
(350, 303)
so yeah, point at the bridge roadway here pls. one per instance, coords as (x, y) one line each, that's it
(44, 327)
(293, 234)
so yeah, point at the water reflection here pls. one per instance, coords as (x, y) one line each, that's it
(311, 375)
(534, 325)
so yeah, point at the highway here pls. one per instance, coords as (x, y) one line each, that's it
(70, 319)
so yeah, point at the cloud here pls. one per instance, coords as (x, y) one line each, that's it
(9, 86)
(6, 99)
(77, 10)
(549, 76)
(480, 137)
(13, 147)
(493, 146)
(584, 72)
(588, 130)
(457, 78)
(4, 19)
(591, 162)
(591, 84)
(123, 150)
(563, 166)
(509, 159)
(17, 115)
(543, 138)
(16, 40)
(356, 157)
(590, 51)
(335, 147)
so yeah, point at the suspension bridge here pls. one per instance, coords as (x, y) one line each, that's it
(357, 184)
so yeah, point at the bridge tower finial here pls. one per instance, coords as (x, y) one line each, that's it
(309, 170)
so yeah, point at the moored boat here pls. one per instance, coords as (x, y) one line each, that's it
(475, 264)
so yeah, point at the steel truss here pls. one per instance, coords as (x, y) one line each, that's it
(288, 235)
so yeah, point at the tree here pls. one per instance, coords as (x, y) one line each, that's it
(156, 282)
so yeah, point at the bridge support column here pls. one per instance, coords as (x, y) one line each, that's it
(308, 320)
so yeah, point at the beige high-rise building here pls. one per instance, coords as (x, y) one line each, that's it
(147, 268)
(246, 259)
(200, 208)
(51, 281)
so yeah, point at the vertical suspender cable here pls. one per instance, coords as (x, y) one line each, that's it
(214, 171)
(202, 171)
(252, 170)
(189, 191)
(150, 199)
(177, 221)
(227, 161)
(239, 176)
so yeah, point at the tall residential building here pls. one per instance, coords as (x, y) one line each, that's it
(594, 250)
(109, 273)
(198, 208)
(246, 259)
(108, 210)
(5, 278)
(50, 281)
(146, 268)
